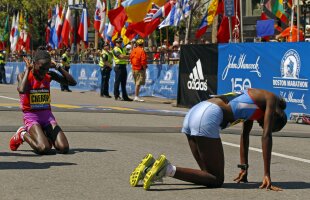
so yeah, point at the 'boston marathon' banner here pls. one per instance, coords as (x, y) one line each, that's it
(282, 68)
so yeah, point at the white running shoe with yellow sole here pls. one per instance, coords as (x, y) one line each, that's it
(140, 171)
(157, 172)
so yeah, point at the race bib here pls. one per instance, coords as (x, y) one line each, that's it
(40, 99)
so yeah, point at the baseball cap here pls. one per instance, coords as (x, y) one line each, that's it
(119, 40)
(140, 41)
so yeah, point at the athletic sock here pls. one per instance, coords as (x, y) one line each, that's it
(170, 171)
(22, 135)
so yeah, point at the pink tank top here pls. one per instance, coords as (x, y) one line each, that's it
(37, 96)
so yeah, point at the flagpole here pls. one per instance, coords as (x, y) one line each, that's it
(160, 38)
(292, 20)
(298, 22)
(96, 39)
(230, 29)
(241, 21)
(167, 37)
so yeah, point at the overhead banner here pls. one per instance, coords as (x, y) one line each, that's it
(282, 68)
(197, 73)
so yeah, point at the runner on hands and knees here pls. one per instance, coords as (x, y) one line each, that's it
(202, 125)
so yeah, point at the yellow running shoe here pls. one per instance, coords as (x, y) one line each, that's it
(157, 172)
(140, 171)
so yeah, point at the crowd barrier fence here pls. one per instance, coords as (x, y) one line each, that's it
(161, 80)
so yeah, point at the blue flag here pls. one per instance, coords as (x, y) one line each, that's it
(265, 27)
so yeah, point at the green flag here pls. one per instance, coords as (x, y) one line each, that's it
(4, 35)
(278, 10)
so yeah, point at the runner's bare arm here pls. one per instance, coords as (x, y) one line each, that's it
(22, 78)
(244, 149)
(66, 77)
(267, 140)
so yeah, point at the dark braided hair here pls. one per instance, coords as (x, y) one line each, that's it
(280, 121)
(282, 103)
(42, 55)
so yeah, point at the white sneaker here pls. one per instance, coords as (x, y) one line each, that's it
(138, 99)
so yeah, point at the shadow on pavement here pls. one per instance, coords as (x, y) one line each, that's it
(293, 185)
(251, 185)
(255, 185)
(31, 165)
(81, 150)
(16, 153)
(188, 186)
(52, 152)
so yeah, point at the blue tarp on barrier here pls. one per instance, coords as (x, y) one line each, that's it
(282, 68)
(167, 82)
(12, 69)
(161, 80)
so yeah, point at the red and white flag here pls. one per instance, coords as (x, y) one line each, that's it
(83, 27)
(16, 34)
(66, 28)
(98, 15)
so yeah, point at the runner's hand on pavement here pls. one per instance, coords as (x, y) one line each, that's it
(267, 184)
(242, 177)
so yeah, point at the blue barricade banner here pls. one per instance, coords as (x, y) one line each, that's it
(161, 80)
(12, 69)
(166, 85)
(88, 77)
(151, 76)
(282, 68)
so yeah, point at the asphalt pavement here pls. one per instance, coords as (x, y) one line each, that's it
(108, 138)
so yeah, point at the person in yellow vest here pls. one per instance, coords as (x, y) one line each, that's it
(105, 63)
(2, 69)
(121, 59)
(66, 60)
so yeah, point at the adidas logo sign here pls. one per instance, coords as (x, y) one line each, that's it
(197, 81)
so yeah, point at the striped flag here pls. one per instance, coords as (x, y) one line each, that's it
(178, 12)
(98, 15)
(174, 17)
(83, 27)
(66, 28)
(207, 20)
(48, 27)
(278, 10)
(103, 18)
(109, 31)
(53, 28)
(12, 32)
(150, 14)
(15, 34)
(164, 10)
(186, 8)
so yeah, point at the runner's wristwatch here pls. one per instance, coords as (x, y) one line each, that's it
(243, 166)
